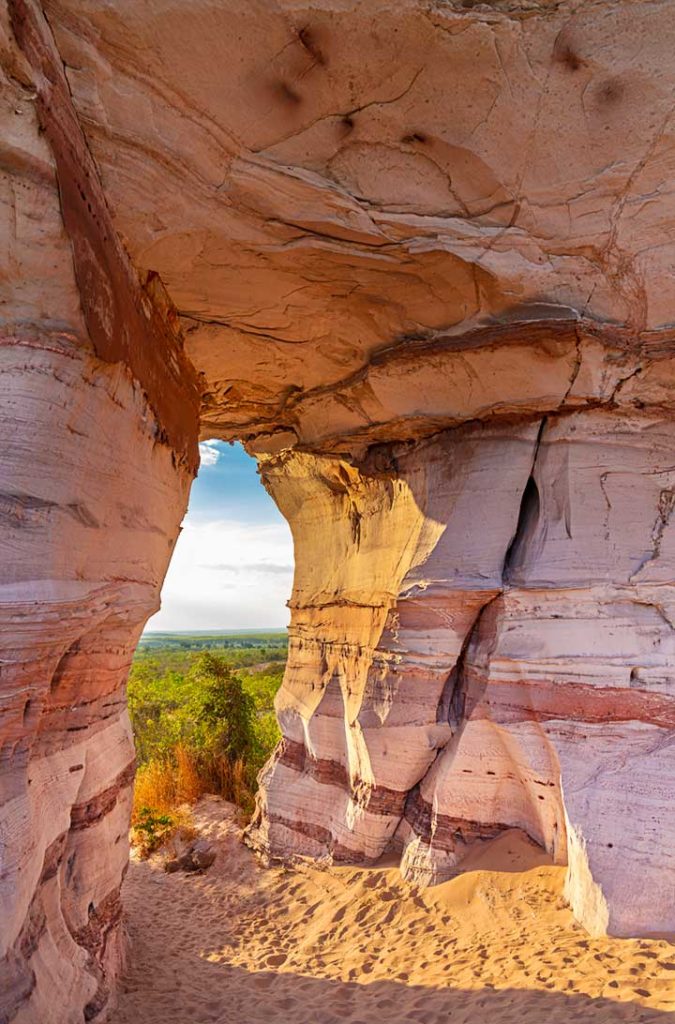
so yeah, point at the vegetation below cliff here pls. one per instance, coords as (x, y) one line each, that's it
(203, 721)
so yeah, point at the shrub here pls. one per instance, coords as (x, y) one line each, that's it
(226, 710)
(205, 730)
(151, 829)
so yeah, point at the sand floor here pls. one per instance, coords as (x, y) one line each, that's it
(244, 944)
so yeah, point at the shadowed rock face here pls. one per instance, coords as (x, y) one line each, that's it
(419, 258)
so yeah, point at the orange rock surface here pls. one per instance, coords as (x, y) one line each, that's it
(419, 258)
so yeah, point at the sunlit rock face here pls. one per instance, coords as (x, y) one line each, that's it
(94, 476)
(418, 256)
(482, 639)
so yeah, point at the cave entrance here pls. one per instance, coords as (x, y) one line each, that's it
(209, 664)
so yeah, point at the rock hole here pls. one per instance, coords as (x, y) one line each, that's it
(444, 708)
(528, 519)
(70, 867)
(62, 666)
(306, 37)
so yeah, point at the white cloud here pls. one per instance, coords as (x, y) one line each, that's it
(257, 567)
(227, 575)
(208, 454)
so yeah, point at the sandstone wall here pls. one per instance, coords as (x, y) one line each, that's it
(484, 640)
(93, 489)
(421, 256)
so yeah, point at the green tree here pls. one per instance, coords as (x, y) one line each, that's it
(224, 710)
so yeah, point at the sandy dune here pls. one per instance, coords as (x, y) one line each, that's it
(241, 944)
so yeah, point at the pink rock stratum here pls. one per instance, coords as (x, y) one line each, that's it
(419, 257)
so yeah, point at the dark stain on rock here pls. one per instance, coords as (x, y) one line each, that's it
(82, 514)
(53, 857)
(28, 510)
(103, 922)
(448, 832)
(70, 867)
(84, 815)
(288, 94)
(565, 53)
(609, 92)
(20, 510)
(414, 137)
(34, 927)
(17, 983)
(125, 316)
(347, 123)
(308, 40)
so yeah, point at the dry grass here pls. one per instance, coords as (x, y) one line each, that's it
(229, 780)
(163, 788)
(155, 787)
(189, 782)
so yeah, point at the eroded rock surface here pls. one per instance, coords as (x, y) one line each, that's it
(418, 256)
(497, 655)
(93, 487)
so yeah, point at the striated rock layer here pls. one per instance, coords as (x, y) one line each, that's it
(483, 641)
(97, 450)
(418, 257)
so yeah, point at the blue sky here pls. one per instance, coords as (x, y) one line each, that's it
(233, 563)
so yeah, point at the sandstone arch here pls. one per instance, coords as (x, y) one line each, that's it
(418, 258)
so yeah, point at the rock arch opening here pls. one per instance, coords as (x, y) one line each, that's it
(232, 567)
(382, 283)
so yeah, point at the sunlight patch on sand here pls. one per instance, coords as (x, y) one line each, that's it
(346, 944)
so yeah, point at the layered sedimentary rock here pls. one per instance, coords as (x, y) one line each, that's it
(97, 450)
(418, 257)
(485, 643)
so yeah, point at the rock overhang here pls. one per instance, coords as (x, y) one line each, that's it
(316, 183)
(416, 256)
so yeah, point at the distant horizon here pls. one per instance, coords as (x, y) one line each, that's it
(234, 557)
(217, 629)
